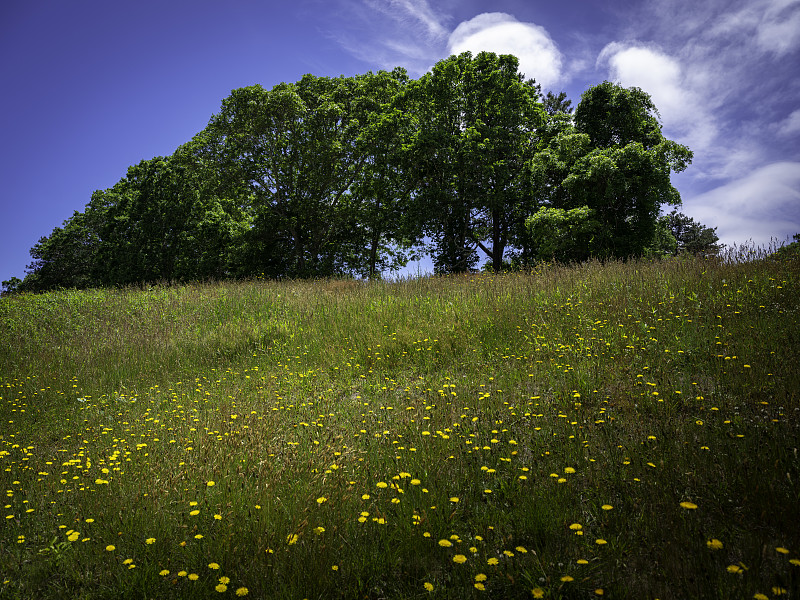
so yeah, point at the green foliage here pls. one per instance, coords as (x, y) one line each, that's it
(348, 176)
(563, 235)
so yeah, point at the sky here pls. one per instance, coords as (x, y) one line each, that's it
(91, 87)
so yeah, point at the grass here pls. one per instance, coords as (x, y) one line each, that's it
(625, 430)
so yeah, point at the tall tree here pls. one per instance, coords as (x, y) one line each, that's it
(616, 162)
(476, 119)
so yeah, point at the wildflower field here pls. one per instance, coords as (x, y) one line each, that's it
(620, 430)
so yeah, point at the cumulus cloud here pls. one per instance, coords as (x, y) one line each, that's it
(790, 126)
(502, 33)
(664, 78)
(760, 206)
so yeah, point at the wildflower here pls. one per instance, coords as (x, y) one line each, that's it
(576, 526)
(569, 470)
(734, 569)
(221, 587)
(242, 591)
(688, 505)
(194, 577)
(291, 538)
(225, 580)
(537, 592)
(164, 572)
(781, 550)
(600, 541)
(480, 577)
(365, 497)
(382, 484)
(213, 566)
(606, 507)
(445, 543)
(599, 592)
(428, 586)
(199, 536)
(111, 548)
(759, 596)
(460, 559)
(479, 586)
(492, 561)
(127, 561)
(149, 541)
(714, 544)
(415, 482)
(182, 573)
(194, 513)
(334, 567)
(321, 500)
(567, 579)
(73, 536)
(319, 530)
(454, 499)
(210, 484)
(778, 591)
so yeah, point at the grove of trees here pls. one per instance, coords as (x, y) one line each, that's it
(357, 175)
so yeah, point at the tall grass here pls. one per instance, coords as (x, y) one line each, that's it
(619, 429)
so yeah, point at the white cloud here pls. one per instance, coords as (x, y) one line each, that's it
(664, 78)
(501, 33)
(760, 206)
(413, 13)
(790, 125)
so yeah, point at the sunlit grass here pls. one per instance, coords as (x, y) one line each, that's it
(624, 430)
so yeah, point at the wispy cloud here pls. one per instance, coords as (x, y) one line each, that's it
(759, 206)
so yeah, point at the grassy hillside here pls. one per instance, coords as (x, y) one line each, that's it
(619, 430)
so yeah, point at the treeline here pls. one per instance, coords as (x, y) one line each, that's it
(358, 175)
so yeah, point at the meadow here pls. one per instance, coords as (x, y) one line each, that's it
(620, 430)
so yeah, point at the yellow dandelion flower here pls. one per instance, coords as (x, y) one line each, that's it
(606, 507)
(492, 561)
(567, 579)
(480, 577)
(149, 541)
(199, 536)
(599, 592)
(319, 530)
(182, 573)
(600, 541)
(127, 561)
(225, 580)
(365, 497)
(382, 484)
(714, 544)
(778, 591)
(759, 596)
(781, 550)
(213, 566)
(454, 499)
(164, 572)
(537, 592)
(321, 500)
(415, 482)
(460, 559)
(73, 537)
(221, 587)
(428, 586)
(734, 569)
(194, 513)
(688, 505)
(576, 526)
(569, 470)
(291, 538)
(445, 543)
(479, 586)
(194, 577)
(242, 591)
(795, 562)
(210, 484)
(582, 561)
(334, 567)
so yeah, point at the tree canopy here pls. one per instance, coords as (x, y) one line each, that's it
(356, 175)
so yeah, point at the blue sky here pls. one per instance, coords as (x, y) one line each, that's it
(91, 87)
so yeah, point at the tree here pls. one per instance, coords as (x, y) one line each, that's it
(614, 161)
(691, 236)
(475, 122)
